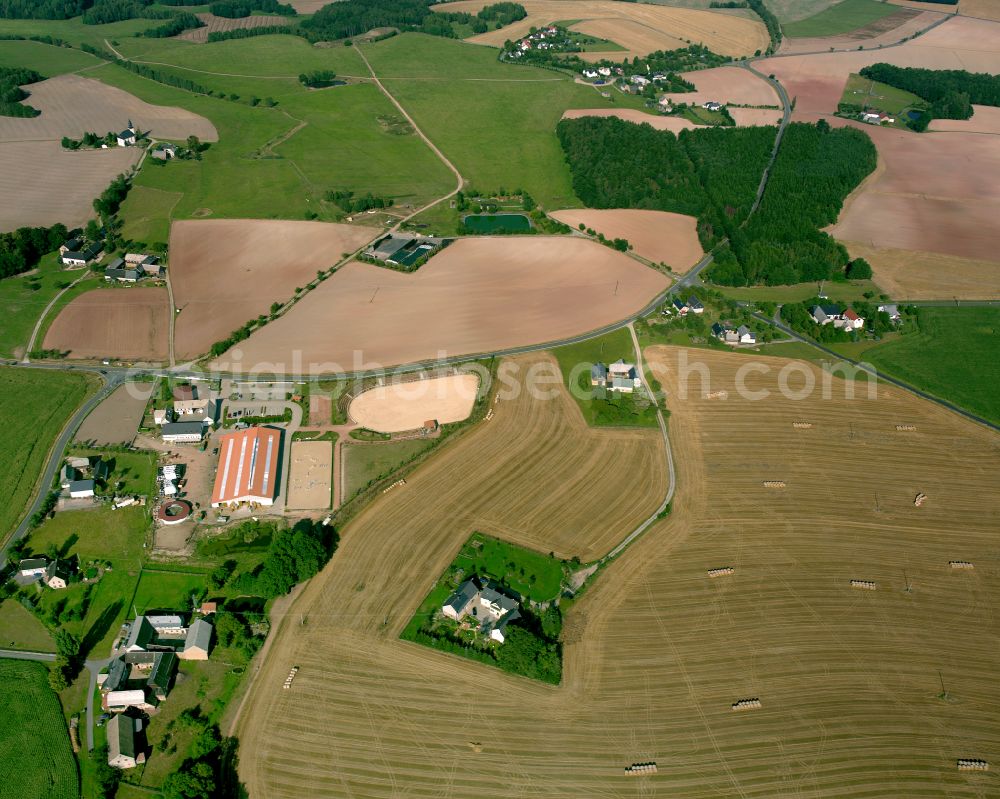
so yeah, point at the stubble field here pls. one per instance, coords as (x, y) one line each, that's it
(225, 272)
(126, 323)
(656, 652)
(674, 124)
(660, 236)
(477, 295)
(726, 85)
(214, 24)
(888, 30)
(116, 420)
(639, 28)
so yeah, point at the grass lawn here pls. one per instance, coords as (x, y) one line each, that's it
(34, 741)
(952, 355)
(368, 462)
(74, 31)
(702, 116)
(135, 470)
(844, 17)
(19, 629)
(40, 402)
(44, 58)
(614, 409)
(837, 292)
(533, 575)
(166, 590)
(103, 534)
(24, 297)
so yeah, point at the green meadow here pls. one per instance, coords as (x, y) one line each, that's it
(846, 16)
(49, 61)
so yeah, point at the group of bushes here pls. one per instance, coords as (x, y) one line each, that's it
(11, 93)
(22, 249)
(318, 78)
(349, 204)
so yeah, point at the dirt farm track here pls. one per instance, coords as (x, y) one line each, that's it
(655, 651)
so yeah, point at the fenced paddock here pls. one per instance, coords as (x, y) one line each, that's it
(655, 653)
(310, 478)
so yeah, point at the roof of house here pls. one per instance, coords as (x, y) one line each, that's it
(208, 607)
(718, 330)
(466, 593)
(127, 134)
(186, 392)
(164, 668)
(182, 428)
(57, 568)
(598, 371)
(117, 675)
(743, 330)
(389, 246)
(72, 244)
(140, 634)
(199, 636)
(165, 621)
(850, 314)
(491, 593)
(32, 563)
(102, 469)
(248, 464)
(125, 698)
(81, 485)
(694, 302)
(121, 736)
(116, 264)
(620, 368)
(679, 303)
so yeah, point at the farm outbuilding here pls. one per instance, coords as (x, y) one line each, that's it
(248, 467)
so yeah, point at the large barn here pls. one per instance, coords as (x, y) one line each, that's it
(248, 467)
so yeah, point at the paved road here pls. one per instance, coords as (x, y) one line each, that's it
(774, 322)
(45, 312)
(112, 381)
(17, 654)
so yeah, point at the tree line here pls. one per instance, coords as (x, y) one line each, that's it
(11, 93)
(349, 204)
(951, 92)
(770, 22)
(236, 9)
(43, 9)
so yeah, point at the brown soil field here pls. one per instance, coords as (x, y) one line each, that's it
(985, 119)
(885, 31)
(936, 192)
(748, 117)
(214, 24)
(310, 478)
(986, 9)
(659, 236)
(908, 275)
(817, 81)
(478, 295)
(127, 323)
(655, 652)
(35, 172)
(676, 124)
(639, 28)
(727, 85)
(396, 407)
(72, 105)
(116, 420)
(225, 272)
(308, 6)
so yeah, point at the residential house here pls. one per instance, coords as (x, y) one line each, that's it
(162, 416)
(487, 604)
(70, 245)
(711, 105)
(68, 474)
(128, 136)
(604, 72)
(125, 741)
(83, 256)
(196, 410)
(590, 74)
(30, 569)
(872, 118)
(746, 335)
(120, 701)
(167, 624)
(680, 306)
(57, 575)
(123, 273)
(620, 376)
(665, 105)
(851, 320)
(208, 608)
(695, 305)
(640, 80)
(155, 633)
(183, 432)
(188, 391)
(598, 375)
(892, 310)
(81, 489)
(197, 642)
(825, 314)
(149, 264)
(79, 462)
(725, 333)
(164, 152)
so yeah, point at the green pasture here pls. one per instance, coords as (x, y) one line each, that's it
(46, 59)
(844, 17)
(166, 590)
(19, 629)
(367, 462)
(75, 32)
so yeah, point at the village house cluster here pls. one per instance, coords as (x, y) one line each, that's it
(833, 314)
(483, 605)
(188, 417)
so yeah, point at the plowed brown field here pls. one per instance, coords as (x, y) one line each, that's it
(214, 24)
(35, 172)
(72, 105)
(660, 236)
(727, 85)
(225, 272)
(639, 28)
(655, 651)
(125, 323)
(477, 295)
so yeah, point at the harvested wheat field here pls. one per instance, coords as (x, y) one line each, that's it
(310, 478)
(727, 85)
(986, 9)
(749, 117)
(72, 106)
(907, 275)
(675, 124)
(225, 272)
(985, 119)
(934, 192)
(477, 295)
(126, 323)
(659, 236)
(116, 420)
(816, 82)
(656, 652)
(396, 407)
(639, 28)
(35, 172)
(214, 24)
(308, 6)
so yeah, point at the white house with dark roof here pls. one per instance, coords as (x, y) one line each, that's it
(746, 335)
(695, 305)
(81, 489)
(619, 376)
(128, 136)
(197, 641)
(125, 744)
(892, 310)
(486, 604)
